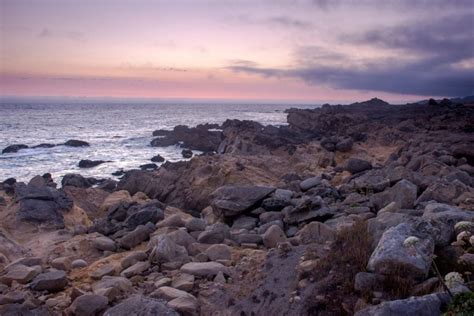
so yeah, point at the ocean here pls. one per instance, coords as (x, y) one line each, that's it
(119, 133)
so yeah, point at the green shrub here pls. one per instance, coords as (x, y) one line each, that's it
(461, 305)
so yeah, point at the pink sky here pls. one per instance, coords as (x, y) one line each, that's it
(305, 51)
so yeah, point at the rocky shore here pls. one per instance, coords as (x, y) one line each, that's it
(364, 209)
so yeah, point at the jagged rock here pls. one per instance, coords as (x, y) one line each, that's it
(182, 238)
(356, 165)
(149, 166)
(88, 305)
(78, 181)
(234, 200)
(393, 256)
(187, 153)
(273, 236)
(52, 281)
(149, 213)
(443, 191)
(157, 158)
(166, 250)
(196, 224)
(140, 305)
(403, 193)
(203, 269)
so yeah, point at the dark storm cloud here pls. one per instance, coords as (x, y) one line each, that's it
(439, 45)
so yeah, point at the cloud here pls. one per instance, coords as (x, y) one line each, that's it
(69, 35)
(438, 46)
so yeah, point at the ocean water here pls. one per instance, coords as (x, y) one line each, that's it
(119, 133)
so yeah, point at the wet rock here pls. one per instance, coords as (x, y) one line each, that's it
(52, 281)
(88, 305)
(157, 158)
(393, 255)
(234, 200)
(13, 148)
(149, 166)
(273, 236)
(140, 305)
(78, 181)
(86, 163)
(187, 153)
(76, 143)
(203, 269)
(356, 165)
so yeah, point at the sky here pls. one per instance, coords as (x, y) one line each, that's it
(300, 51)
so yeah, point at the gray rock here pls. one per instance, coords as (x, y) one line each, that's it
(182, 238)
(140, 305)
(168, 293)
(120, 285)
(133, 258)
(13, 148)
(234, 200)
(88, 305)
(166, 250)
(283, 194)
(185, 305)
(219, 252)
(309, 183)
(214, 234)
(104, 244)
(443, 191)
(366, 282)
(203, 269)
(136, 269)
(273, 236)
(428, 305)
(78, 263)
(268, 217)
(245, 222)
(19, 273)
(52, 281)
(316, 232)
(135, 237)
(403, 193)
(356, 165)
(150, 213)
(107, 269)
(392, 256)
(76, 143)
(183, 281)
(196, 224)
(171, 221)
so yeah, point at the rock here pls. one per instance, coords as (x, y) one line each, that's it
(234, 200)
(62, 263)
(135, 237)
(133, 258)
(273, 236)
(214, 234)
(140, 305)
(356, 165)
(187, 153)
(185, 305)
(443, 191)
(166, 250)
(136, 269)
(219, 252)
(157, 158)
(78, 181)
(120, 285)
(19, 273)
(366, 282)
(78, 263)
(168, 293)
(393, 256)
(268, 217)
(309, 183)
(182, 238)
(316, 232)
(149, 213)
(183, 281)
(163, 282)
(149, 166)
(88, 305)
(345, 145)
(86, 163)
(76, 143)
(196, 224)
(106, 269)
(427, 305)
(13, 148)
(52, 281)
(245, 222)
(104, 244)
(203, 269)
(273, 204)
(403, 193)
(116, 198)
(174, 220)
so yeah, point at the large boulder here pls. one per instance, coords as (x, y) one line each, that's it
(140, 305)
(234, 200)
(42, 204)
(201, 137)
(148, 213)
(78, 181)
(403, 193)
(400, 251)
